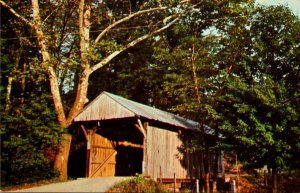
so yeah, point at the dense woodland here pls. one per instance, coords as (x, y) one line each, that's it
(231, 65)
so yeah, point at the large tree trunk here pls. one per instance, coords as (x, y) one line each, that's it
(62, 156)
(61, 160)
(81, 98)
(275, 184)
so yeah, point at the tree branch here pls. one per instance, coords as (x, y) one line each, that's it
(131, 44)
(54, 86)
(126, 19)
(84, 32)
(58, 7)
(16, 14)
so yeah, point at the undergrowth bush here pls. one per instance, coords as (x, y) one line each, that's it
(138, 184)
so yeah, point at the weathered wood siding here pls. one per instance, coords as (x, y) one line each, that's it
(102, 109)
(103, 157)
(164, 155)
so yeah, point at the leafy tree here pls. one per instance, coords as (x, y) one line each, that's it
(182, 59)
(29, 133)
(73, 54)
(248, 81)
(277, 63)
(263, 104)
(29, 138)
(257, 100)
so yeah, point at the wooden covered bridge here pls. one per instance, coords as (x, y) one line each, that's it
(125, 137)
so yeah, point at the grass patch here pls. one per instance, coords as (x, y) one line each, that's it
(138, 184)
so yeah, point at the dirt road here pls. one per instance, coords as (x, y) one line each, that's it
(100, 184)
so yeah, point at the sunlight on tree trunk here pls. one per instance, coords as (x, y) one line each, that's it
(8, 93)
(18, 55)
(62, 156)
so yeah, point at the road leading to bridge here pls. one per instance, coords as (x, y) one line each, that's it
(100, 184)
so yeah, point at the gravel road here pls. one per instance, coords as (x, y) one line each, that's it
(100, 184)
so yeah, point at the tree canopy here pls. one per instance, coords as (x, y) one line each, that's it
(230, 65)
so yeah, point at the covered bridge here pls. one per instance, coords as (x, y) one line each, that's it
(125, 137)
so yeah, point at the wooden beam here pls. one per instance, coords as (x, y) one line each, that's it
(143, 130)
(88, 137)
(84, 132)
(146, 124)
(102, 147)
(122, 143)
(129, 144)
(140, 127)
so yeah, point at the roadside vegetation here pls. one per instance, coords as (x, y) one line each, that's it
(138, 184)
(247, 183)
(288, 182)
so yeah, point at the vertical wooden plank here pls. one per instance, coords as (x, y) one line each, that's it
(166, 164)
(163, 151)
(157, 160)
(172, 155)
(89, 153)
(164, 158)
(174, 182)
(88, 160)
(176, 157)
(153, 152)
(149, 154)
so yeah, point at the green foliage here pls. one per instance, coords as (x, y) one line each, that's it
(29, 137)
(257, 98)
(138, 184)
(248, 80)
